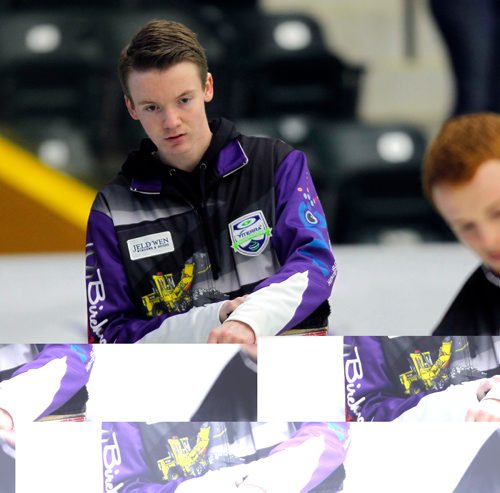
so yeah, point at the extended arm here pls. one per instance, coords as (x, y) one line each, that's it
(300, 238)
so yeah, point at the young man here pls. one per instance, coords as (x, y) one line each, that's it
(224, 457)
(206, 235)
(429, 378)
(461, 177)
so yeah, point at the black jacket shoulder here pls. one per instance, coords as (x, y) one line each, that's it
(475, 310)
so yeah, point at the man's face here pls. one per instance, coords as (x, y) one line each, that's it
(472, 210)
(170, 104)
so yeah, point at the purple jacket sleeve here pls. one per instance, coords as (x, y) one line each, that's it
(125, 468)
(112, 317)
(78, 360)
(371, 395)
(336, 440)
(300, 236)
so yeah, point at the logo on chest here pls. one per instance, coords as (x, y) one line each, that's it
(250, 234)
(150, 245)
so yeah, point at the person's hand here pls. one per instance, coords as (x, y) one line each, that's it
(228, 307)
(485, 386)
(250, 350)
(7, 428)
(488, 408)
(232, 331)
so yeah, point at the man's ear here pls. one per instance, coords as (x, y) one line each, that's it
(130, 107)
(209, 89)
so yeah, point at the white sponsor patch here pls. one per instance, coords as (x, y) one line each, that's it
(150, 245)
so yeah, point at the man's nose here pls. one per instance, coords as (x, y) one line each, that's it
(170, 118)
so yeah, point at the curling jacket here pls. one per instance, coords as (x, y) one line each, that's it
(157, 457)
(165, 248)
(476, 309)
(387, 376)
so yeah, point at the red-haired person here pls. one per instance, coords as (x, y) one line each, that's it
(461, 177)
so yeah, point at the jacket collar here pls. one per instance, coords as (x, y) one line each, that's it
(147, 174)
(231, 158)
(493, 277)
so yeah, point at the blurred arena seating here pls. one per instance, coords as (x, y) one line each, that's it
(53, 68)
(367, 176)
(274, 75)
(284, 66)
(374, 190)
(51, 64)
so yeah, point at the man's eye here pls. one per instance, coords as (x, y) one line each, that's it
(184, 100)
(151, 107)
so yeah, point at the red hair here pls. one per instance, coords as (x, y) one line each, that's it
(462, 145)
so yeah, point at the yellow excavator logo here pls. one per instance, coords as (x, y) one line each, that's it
(424, 374)
(183, 460)
(167, 297)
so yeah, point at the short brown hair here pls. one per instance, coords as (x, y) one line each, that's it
(159, 45)
(462, 145)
